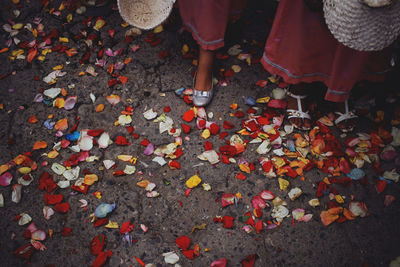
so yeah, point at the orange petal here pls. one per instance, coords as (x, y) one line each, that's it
(328, 218)
(100, 108)
(61, 125)
(348, 214)
(39, 145)
(59, 102)
(335, 211)
(33, 119)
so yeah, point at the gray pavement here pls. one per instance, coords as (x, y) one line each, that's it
(369, 241)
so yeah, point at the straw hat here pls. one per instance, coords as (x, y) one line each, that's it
(145, 14)
(364, 25)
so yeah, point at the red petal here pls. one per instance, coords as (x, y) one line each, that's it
(174, 165)
(380, 185)
(66, 231)
(227, 221)
(187, 192)
(123, 79)
(240, 176)
(119, 173)
(188, 116)
(162, 54)
(228, 125)
(62, 207)
(101, 258)
(32, 54)
(227, 199)
(239, 114)
(250, 220)
(120, 140)
(214, 129)
(46, 182)
(223, 135)
(50, 199)
(258, 226)
(100, 222)
(189, 254)
(229, 73)
(167, 109)
(249, 260)
(178, 153)
(225, 159)
(145, 142)
(126, 227)
(185, 128)
(183, 242)
(95, 132)
(277, 103)
(24, 251)
(208, 145)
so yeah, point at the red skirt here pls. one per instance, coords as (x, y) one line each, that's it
(300, 48)
(207, 19)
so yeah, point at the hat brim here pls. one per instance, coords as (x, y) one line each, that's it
(145, 14)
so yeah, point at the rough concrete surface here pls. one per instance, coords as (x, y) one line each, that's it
(370, 241)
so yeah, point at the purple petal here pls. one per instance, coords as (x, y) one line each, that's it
(149, 149)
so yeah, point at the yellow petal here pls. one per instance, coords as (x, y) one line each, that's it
(206, 133)
(143, 184)
(17, 26)
(158, 29)
(193, 181)
(59, 102)
(236, 68)
(19, 159)
(24, 170)
(124, 157)
(52, 154)
(112, 225)
(3, 168)
(263, 99)
(90, 179)
(244, 168)
(185, 49)
(339, 199)
(58, 67)
(99, 24)
(283, 184)
(63, 40)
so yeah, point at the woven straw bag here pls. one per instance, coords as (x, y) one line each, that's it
(145, 14)
(364, 25)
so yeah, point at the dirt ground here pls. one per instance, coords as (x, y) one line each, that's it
(153, 74)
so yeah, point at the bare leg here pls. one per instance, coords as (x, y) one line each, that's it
(204, 70)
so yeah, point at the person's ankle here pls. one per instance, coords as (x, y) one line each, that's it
(203, 82)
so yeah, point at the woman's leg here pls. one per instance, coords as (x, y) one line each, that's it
(203, 80)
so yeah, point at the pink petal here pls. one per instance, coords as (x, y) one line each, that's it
(5, 179)
(31, 227)
(39, 235)
(109, 52)
(267, 195)
(70, 102)
(258, 202)
(219, 263)
(149, 149)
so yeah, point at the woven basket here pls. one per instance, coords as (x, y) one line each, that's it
(145, 14)
(361, 27)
